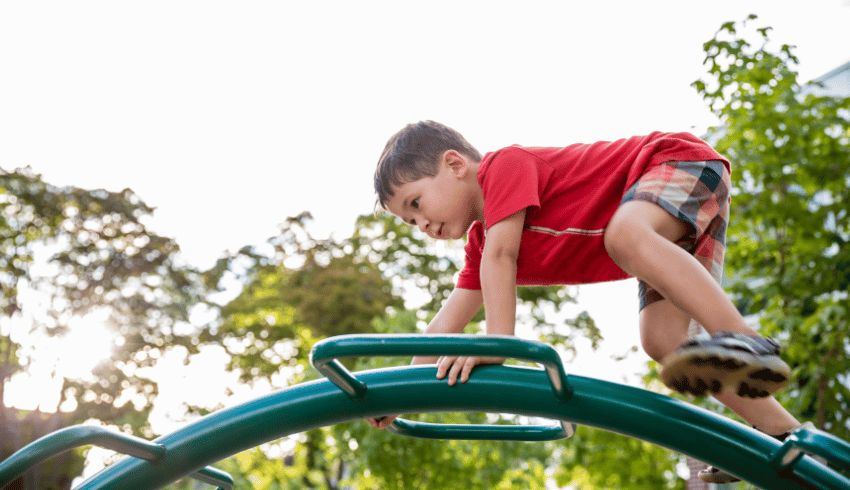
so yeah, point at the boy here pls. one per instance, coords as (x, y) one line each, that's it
(653, 207)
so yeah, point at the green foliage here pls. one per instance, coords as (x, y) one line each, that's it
(595, 458)
(388, 461)
(787, 250)
(789, 229)
(100, 258)
(405, 254)
(301, 292)
(302, 289)
(293, 294)
(21, 428)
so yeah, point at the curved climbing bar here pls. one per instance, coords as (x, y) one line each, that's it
(214, 476)
(73, 437)
(326, 352)
(630, 411)
(325, 355)
(813, 441)
(626, 410)
(88, 435)
(533, 433)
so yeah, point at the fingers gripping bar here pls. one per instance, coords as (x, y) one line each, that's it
(326, 353)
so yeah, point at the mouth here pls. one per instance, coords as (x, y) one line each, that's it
(439, 233)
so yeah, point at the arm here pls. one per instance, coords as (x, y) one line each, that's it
(498, 289)
(498, 273)
(498, 280)
(455, 314)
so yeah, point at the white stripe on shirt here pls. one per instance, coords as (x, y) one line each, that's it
(568, 231)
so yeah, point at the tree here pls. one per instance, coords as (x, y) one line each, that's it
(405, 254)
(789, 226)
(301, 289)
(594, 458)
(105, 260)
(294, 293)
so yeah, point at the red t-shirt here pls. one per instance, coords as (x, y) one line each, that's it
(570, 195)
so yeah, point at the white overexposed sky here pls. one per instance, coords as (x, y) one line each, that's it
(228, 117)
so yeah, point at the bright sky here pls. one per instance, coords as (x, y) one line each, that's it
(229, 117)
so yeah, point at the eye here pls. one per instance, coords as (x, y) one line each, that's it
(415, 203)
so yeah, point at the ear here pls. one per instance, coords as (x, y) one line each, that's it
(456, 163)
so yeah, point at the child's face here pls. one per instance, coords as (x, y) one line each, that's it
(443, 206)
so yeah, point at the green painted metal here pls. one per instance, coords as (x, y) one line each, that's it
(532, 433)
(214, 476)
(326, 354)
(630, 411)
(73, 437)
(86, 435)
(815, 442)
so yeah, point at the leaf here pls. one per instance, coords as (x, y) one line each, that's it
(789, 229)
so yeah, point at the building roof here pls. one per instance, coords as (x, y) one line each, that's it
(836, 82)
(842, 70)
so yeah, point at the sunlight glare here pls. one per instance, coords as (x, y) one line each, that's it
(87, 344)
(54, 358)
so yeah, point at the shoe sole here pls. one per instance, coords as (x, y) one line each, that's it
(717, 476)
(700, 370)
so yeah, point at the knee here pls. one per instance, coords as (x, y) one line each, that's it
(658, 343)
(654, 349)
(620, 240)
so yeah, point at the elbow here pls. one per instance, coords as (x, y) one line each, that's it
(501, 255)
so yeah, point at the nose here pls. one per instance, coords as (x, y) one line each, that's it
(423, 224)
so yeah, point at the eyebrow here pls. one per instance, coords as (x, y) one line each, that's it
(404, 207)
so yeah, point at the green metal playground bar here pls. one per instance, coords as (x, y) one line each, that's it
(548, 393)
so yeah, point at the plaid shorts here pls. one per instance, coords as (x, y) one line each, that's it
(698, 194)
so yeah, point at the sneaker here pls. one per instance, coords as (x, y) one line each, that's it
(712, 474)
(750, 365)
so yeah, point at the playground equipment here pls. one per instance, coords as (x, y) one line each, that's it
(548, 393)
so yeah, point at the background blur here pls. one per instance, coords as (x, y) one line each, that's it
(226, 119)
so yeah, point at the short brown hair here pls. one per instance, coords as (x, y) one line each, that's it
(414, 152)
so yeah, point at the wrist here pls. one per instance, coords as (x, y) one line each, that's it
(424, 360)
(501, 330)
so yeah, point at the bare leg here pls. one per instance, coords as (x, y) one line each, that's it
(765, 414)
(664, 327)
(641, 239)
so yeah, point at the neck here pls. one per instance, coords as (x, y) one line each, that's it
(478, 192)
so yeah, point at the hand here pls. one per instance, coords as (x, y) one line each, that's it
(382, 422)
(463, 366)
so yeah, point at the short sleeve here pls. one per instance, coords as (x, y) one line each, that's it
(512, 180)
(470, 275)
